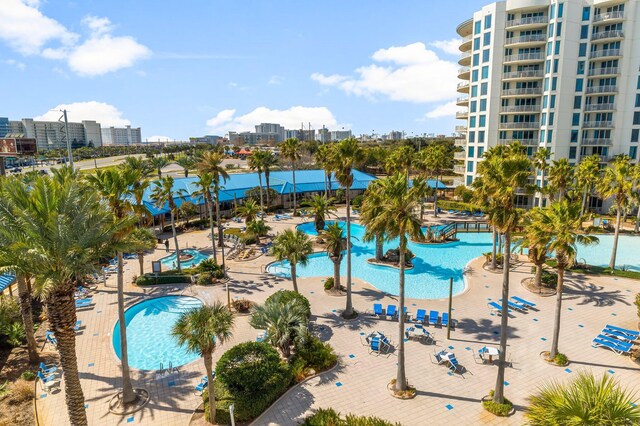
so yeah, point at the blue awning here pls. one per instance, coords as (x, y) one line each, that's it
(5, 281)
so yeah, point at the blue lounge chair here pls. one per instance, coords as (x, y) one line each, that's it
(433, 317)
(83, 303)
(392, 311)
(615, 341)
(633, 333)
(375, 345)
(454, 365)
(497, 308)
(515, 306)
(77, 326)
(48, 369)
(420, 316)
(616, 347)
(618, 335)
(48, 382)
(377, 310)
(523, 302)
(445, 319)
(200, 387)
(50, 338)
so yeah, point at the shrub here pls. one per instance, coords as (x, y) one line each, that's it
(28, 375)
(205, 278)
(340, 195)
(488, 256)
(561, 359)
(329, 417)
(549, 279)
(14, 333)
(285, 296)
(501, 410)
(21, 391)
(242, 305)
(357, 201)
(174, 278)
(211, 267)
(637, 302)
(314, 354)
(328, 283)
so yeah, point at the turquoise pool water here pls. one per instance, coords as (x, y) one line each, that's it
(149, 338)
(170, 261)
(434, 264)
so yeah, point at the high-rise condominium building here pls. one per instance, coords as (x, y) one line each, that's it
(121, 135)
(561, 74)
(51, 134)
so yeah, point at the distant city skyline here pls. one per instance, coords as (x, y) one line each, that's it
(218, 68)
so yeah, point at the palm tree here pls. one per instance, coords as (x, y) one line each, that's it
(586, 400)
(158, 164)
(255, 162)
(186, 162)
(373, 205)
(560, 223)
(164, 193)
(257, 229)
(541, 163)
(321, 208)
(204, 183)
(211, 162)
(269, 162)
(504, 170)
(397, 220)
(635, 173)
(560, 178)
(437, 159)
(67, 230)
(291, 151)
(202, 330)
(322, 156)
(536, 243)
(141, 240)
(295, 247)
(482, 196)
(401, 160)
(335, 246)
(114, 185)
(248, 211)
(616, 183)
(346, 156)
(284, 323)
(587, 175)
(142, 171)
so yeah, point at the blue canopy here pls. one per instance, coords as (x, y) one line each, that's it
(5, 281)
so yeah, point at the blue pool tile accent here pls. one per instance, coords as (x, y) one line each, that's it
(581, 325)
(352, 356)
(451, 347)
(338, 384)
(43, 395)
(611, 371)
(614, 314)
(544, 339)
(362, 333)
(450, 373)
(334, 310)
(570, 309)
(567, 370)
(130, 419)
(95, 334)
(535, 319)
(313, 292)
(506, 383)
(489, 299)
(91, 364)
(449, 407)
(468, 348)
(171, 384)
(406, 340)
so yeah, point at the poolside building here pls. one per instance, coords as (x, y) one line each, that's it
(557, 74)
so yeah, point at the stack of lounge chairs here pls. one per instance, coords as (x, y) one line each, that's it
(516, 303)
(421, 318)
(619, 340)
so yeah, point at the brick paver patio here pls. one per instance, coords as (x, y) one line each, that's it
(358, 384)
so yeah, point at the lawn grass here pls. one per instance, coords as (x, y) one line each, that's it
(599, 270)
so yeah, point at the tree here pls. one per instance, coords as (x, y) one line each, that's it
(257, 229)
(587, 175)
(211, 162)
(616, 183)
(186, 162)
(437, 158)
(141, 240)
(335, 246)
(202, 330)
(188, 210)
(284, 322)
(536, 243)
(397, 220)
(373, 206)
(204, 183)
(295, 247)
(255, 162)
(248, 211)
(560, 223)
(163, 193)
(400, 160)
(321, 157)
(291, 151)
(269, 162)
(586, 400)
(142, 171)
(321, 208)
(560, 178)
(158, 164)
(346, 156)
(541, 163)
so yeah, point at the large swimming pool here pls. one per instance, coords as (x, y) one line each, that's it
(149, 338)
(435, 264)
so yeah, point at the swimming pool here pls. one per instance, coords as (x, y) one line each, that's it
(435, 264)
(149, 338)
(198, 256)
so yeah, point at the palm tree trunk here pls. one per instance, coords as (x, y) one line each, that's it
(175, 240)
(336, 272)
(141, 262)
(538, 277)
(401, 377)
(494, 251)
(326, 184)
(128, 395)
(294, 277)
(218, 222)
(635, 229)
(584, 200)
(260, 183)
(213, 238)
(208, 365)
(348, 312)
(379, 247)
(266, 176)
(295, 196)
(61, 313)
(435, 199)
(421, 211)
(556, 325)
(27, 317)
(498, 396)
(612, 262)
(329, 185)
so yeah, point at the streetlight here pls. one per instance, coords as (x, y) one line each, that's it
(66, 135)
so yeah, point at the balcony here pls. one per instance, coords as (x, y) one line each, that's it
(597, 125)
(520, 108)
(523, 75)
(458, 168)
(606, 53)
(607, 35)
(525, 57)
(602, 89)
(597, 141)
(526, 39)
(605, 158)
(522, 91)
(463, 87)
(465, 45)
(520, 125)
(460, 142)
(462, 115)
(528, 142)
(603, 71)
(460, 155)
(463, 73)
(532, 21)
(462, 101)
(609, 17)
(599, 107)
(465, 28)
(461, 129)
(465, 59)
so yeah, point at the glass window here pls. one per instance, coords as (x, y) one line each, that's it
(480, 139)
(477, 27)
(577, 102)
(554, 83)
(638, 100)
(582, 51)
(552, 12)
(636, 117)
(486, 39)
(580, 67)
(551, 116)
(546, 84)
(474, 91)
(558, 29)
(557, 48)
(470, 151)
(472, 122)
(487, 22)
(552, 104)
(469, 180)
(551, 27)
(556, 63)
(585, 13)
(485, 72)
(579, 83)
(483, 89)
(635, 135)
(633, 152)
(482, 121)
(547, 66)
(476, 59)
(584, 31)
(472, 136)
(638, 85)
(545, 101)
(485, 55)
(543, 119)
(474, 76)
(572, 152)
(549, 47)
(483, 105)
(470, 166)
(560, 9)
(575, 120)
(473, 106)
(549, 135)
(476, 43)
(574, 136)
(542, 135)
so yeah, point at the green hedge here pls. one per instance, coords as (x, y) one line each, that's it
(164, 278)
(285, 296)
(313, 354)
(329, 417)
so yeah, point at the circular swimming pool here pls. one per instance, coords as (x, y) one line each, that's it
(189, 258)
(434, 264)
(149, 338)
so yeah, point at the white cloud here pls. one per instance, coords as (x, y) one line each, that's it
(445, 110)
(276, 80)
(25, 29)
(448, 46)
(105, 114)
(20, 65)
(227, 120)
(410, 73)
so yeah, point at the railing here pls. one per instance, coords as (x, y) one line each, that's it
(598, 125)
(462, 114)
(527, 21)
(521, 125)
(602, 89)
(607, 34)
(464, 55)
(528, 142)
(521, 108)
(605, 53)
(604, 71)
(523, 91)
(597, 141)
(458, 168)
(523, 74)
(461, 129)
(464, 70)
(462, 99)
(463, 85)
(460, 142)
(609, 15)
(526, 38)
(599, 107)
(459, 155)
(467, 39)
(448, 231)
(534, 56)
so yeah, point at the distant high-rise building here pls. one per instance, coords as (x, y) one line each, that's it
(4, 126)
(121, 136)
(210, 139)
(271, 131)
(51, 134)
(338, 135)
(395, 135)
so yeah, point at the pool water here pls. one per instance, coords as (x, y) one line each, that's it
(170, 261)
(149, 338)
(434, 264)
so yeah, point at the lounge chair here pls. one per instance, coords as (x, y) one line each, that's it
(616, 346)
(392, 311)
(439, 357)
(420, 316)
(618, 335)
(523, 302)
(633, 333)
(445, 319)
(262, 336)
(497, 308)
(48, 382)
(48, 369)
(50, 338)
(377, 310)
(77, 326)
(200, 387)
(433, 317)
(83, 303)
(376, 345)
(515, 306)
(454, 365)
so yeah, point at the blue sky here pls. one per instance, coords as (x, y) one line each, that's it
(180, 69)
